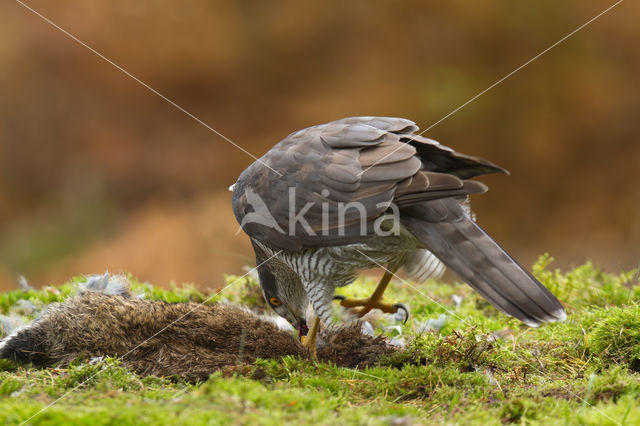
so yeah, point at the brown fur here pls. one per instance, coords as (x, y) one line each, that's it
(185, 339)
(348, 347)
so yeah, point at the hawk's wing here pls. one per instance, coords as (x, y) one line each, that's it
(338, 178)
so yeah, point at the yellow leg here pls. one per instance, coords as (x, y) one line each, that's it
(375, 300)
(309, 341)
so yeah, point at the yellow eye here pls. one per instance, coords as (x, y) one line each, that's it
(274, 301)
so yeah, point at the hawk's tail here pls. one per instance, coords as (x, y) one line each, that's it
(448, 232)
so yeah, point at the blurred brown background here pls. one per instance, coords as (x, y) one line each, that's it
(97, 172)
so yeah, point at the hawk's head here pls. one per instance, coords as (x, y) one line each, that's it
(283, 291)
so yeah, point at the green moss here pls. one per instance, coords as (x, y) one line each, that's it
(480, 368)
(9, 385)
(587, 285)
(614, 336)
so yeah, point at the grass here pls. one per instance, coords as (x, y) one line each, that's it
(480, 368)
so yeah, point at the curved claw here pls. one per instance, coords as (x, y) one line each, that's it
(339, 297)
(400, 306)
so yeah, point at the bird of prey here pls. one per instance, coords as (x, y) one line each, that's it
(362, 192)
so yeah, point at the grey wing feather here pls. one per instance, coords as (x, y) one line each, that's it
(371, 160)
(389, 124)
(447, 231)
(322, 164)
(434, 155)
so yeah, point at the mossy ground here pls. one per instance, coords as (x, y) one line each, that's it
(480, 368)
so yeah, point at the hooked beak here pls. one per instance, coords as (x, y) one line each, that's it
(301, 322)
(303, 328)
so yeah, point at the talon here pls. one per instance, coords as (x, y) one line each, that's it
(339, 297)
(400, 306)
(309, 341)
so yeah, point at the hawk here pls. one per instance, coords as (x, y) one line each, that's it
(363, 192)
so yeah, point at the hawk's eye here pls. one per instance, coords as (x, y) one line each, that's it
(274, 301)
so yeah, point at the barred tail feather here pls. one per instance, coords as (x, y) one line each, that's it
(421, 264)
(448, 232)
